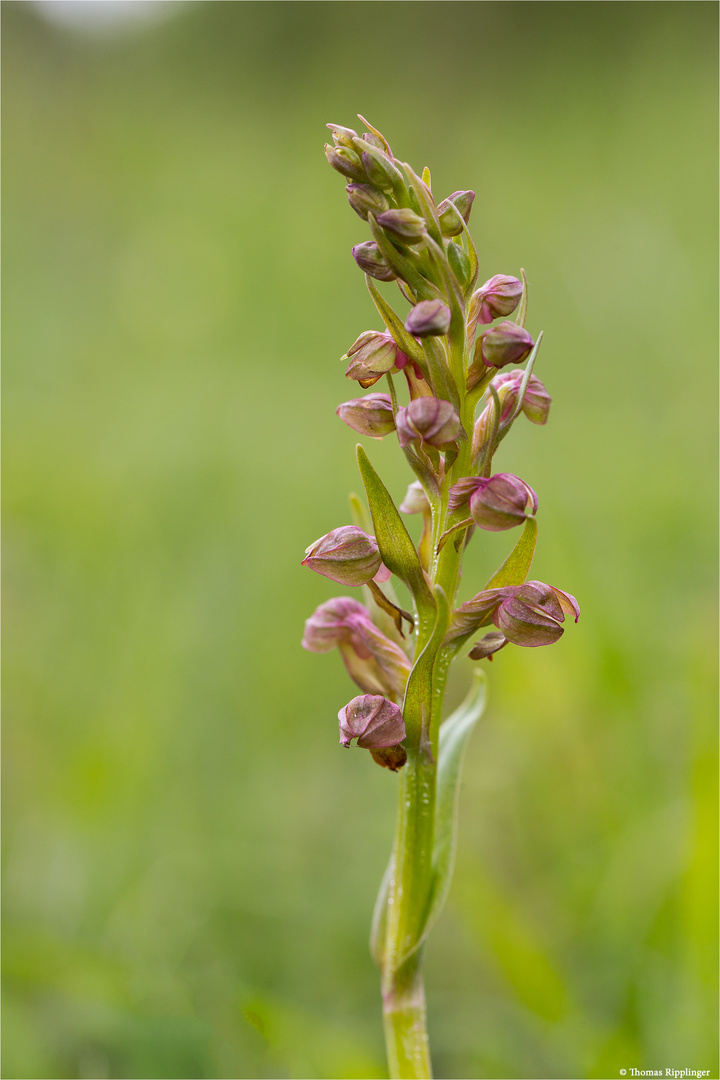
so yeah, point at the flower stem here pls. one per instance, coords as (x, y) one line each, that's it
(405, 1022)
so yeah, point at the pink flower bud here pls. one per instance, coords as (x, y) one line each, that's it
(346, 555)
(346, 161)
(532, 615)
(453, 210)
(500, 295)
(371, 356)
(429, 318)
(404, 225)
(529, 615)
(500, 502)
(365, 199)
(372, 262)
(373, 720)
(430, 420)
(370, 415)
(536, 403)
(378, 165)
(506, 343)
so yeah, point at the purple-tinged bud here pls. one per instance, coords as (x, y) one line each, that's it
(346, 555)
(378, 166)
(536, 403)
(373, 720)
(506, 343)
(330, 623)
(371, 261)
(459, 263)
(430, 420)
(429, 318)
(371, 357)
(374, 662)
(500, 295)
(368, 137)
(415, 501)
(532, 615)
(343, 136)
(463, 200)
(453, 210)
(404, 225)
(370, 415)
(489, 644)
(345, 161)
(496, 503)
(365, 199)
(500, 502)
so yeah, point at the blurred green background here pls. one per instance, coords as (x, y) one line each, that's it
(190, 859)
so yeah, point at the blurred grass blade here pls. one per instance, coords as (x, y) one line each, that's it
(379, 918)
(516, 567)
(396, 547)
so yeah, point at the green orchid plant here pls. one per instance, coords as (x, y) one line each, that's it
(454, 349)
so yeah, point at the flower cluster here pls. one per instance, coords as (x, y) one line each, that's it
(453, 347)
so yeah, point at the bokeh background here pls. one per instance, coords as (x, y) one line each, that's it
(190, 859)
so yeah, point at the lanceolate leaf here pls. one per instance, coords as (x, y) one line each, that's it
(396, 547)
(424, 199)
(454, 734)
(380, 913)
(516, 567)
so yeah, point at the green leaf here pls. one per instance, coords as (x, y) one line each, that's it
(516, 567)
(418, 700)
(522, 391)
(425, 200)
(380, 913)
(359, 513)
(454, 734)
(522, 306)
(396, 547)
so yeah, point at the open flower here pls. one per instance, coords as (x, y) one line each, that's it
(529, 615)
(374, 662)
(496, 502)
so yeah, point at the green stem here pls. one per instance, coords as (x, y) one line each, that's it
(411, 884)
(405, 1022)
